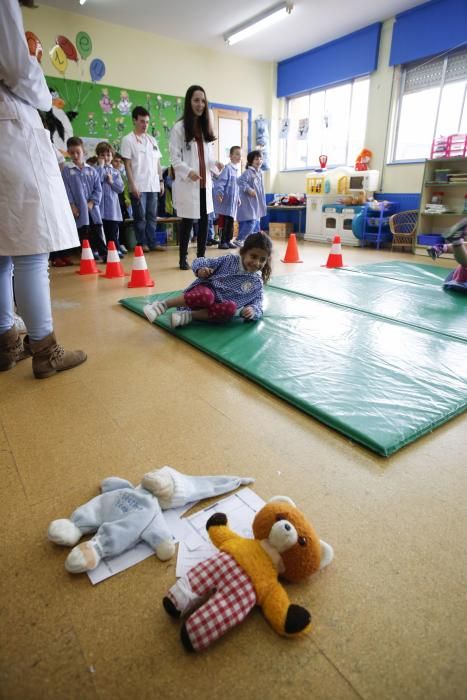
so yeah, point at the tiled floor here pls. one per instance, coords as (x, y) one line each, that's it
(389, 613)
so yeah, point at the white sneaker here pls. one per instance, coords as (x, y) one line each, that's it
(152, 311)
(180, 318)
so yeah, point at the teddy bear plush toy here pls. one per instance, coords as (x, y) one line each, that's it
(245, 572)
(123, 515)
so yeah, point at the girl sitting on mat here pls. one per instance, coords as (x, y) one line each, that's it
(223, 285)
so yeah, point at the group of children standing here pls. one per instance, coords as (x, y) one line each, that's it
(239, 199)
(94, 193)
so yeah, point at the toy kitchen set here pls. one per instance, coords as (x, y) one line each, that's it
(333, 199)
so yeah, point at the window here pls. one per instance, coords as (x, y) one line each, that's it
(331, 122)
(432, 103)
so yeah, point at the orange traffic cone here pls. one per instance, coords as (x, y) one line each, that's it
(140, 276)
(291, 254)
(87, 265)
(114, 267)
(335, 256)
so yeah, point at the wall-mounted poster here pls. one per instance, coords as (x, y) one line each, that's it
(103, 112)
(262, 140)
(302, 130)
(284, 125)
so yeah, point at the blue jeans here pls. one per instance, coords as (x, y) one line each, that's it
(211, 231)
(247, 227)
(145, 218)
(32, 292)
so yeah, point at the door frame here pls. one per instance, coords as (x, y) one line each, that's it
(235, 108)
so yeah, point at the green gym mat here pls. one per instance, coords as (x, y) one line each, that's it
(415, 297)
(378, 381)
(417, 273)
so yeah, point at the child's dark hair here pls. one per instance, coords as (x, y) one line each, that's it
(74, 141)
(104, 147)
(234, 148)
(118, 155)
(263, 242)
(139, 112)
(92, 161)
(252, 155)
(189, 117)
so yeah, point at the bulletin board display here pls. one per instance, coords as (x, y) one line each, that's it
(104, 111)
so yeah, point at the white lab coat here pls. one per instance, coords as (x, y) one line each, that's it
(184, 158)
(35, 215)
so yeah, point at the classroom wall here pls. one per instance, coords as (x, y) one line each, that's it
(146, 61)
(395, 178)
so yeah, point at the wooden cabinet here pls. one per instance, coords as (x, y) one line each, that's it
(444, 183)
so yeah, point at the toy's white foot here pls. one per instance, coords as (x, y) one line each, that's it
(64, 532)
(327, 554)
(82, 558)
(165, 551)
(161, 484)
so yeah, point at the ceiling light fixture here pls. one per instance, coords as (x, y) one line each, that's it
(81, 2)
(256, 24)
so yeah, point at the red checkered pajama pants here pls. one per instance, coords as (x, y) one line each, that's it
(202, 297)
(233, 596)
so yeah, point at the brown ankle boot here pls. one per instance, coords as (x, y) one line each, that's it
(11, 349)
(48, 357)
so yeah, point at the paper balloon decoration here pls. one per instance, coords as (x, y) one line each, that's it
(97, 69)
(34, 45)
(58, 58)
(67, 47)
(83, 44)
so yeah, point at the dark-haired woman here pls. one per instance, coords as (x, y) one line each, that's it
(192, 158)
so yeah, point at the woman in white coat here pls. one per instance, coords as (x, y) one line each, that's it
(35, 216)
(192, 158)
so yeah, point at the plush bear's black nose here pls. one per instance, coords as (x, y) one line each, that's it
(287, 527)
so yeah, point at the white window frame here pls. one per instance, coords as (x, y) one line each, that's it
(308, 166)
(399, 81)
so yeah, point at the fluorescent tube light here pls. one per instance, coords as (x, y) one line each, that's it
(262, 21)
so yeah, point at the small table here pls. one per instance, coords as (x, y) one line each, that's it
(293, 207)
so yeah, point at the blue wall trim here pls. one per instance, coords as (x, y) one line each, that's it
(429, 29)
(348, 57)
(403, 199)
(217, 105)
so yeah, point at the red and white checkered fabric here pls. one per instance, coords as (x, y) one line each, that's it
(231, 602)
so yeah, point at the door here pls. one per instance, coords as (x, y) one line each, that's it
(231, 129)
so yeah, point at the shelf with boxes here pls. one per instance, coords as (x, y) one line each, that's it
(443, 200)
